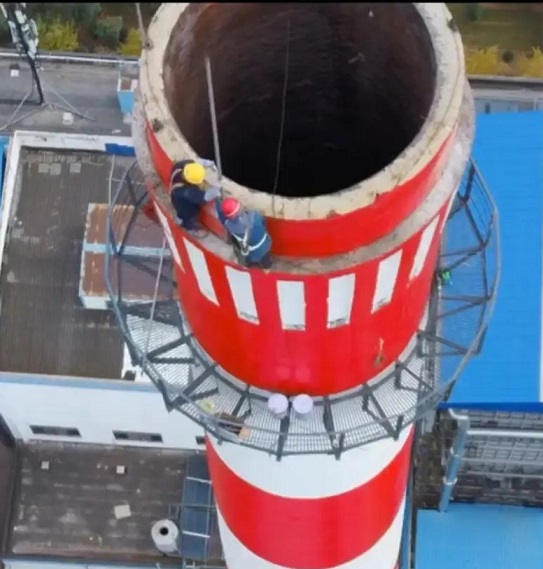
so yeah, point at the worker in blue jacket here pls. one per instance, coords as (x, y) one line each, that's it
(188, 192)
(247, 232)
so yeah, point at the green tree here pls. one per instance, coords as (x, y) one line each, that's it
(132, 44)
(108, 30)
(81, 13)
(474, 12)
(57, 35)
(5, 34)
(86, 12)
(508, 56)
(38, 9)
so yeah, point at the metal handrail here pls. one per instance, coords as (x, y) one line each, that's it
(220, 426)
(506, 434)
(456, 452)
(74, 57)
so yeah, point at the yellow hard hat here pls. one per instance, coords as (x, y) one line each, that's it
(194, 173)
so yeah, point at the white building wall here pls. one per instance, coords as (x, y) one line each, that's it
(39, 565)
(25, 564)
(96, 408)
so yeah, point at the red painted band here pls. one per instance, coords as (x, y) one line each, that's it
(318, 360)
(337, 234)
(310, 533)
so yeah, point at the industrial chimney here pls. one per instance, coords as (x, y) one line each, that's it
(349, 126)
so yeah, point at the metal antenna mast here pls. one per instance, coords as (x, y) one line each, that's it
(24, 35)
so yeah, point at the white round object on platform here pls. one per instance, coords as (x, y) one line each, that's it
(165, 536)
(303, 405)
(278, 405)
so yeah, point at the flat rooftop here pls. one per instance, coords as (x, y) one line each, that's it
(44, 328)
(68, 510)
(91, 89)
(507, 375)
(478, 536)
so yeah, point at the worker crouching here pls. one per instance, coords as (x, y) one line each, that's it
(188, 192)
(247, 232)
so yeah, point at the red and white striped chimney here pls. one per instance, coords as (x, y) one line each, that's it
(377, 124)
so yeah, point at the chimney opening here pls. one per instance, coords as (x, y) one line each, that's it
(361, 80)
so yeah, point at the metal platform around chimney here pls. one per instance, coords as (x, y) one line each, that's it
(160, 340)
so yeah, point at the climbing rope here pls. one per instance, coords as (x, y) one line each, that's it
(213, 115)
(283, 113)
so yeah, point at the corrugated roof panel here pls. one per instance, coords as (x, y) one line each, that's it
(509, 152)
(478, 536)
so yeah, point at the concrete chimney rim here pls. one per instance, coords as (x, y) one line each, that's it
(440, 124)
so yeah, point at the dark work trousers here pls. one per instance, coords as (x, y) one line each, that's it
(187, 201)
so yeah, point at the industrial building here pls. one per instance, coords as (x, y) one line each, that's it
(90, 456)
(67, 378)
(48, 337)
(496, 509)
(53, 404)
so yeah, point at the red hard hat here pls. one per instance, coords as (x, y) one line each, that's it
(230, 207)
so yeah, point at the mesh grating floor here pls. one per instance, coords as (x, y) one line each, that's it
(160, 342)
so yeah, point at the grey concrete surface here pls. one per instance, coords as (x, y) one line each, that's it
(44, 328)
(68, 511)
(90, 89)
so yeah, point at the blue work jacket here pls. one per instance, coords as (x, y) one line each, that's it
(249, 231)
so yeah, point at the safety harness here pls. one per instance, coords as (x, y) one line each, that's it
(178, 184)
(244, 246)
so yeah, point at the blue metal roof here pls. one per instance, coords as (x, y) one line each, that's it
(509, 152)
(478, 536)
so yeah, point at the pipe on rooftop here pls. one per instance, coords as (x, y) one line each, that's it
(453, 464)
(508, 434)
(459, 445)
